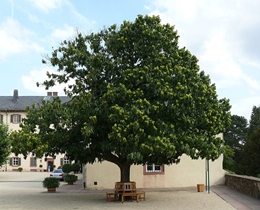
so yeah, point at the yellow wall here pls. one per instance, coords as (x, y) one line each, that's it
(185, 174)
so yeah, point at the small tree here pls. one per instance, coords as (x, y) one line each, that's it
(4, 143)
(67, 168)
(75, 167)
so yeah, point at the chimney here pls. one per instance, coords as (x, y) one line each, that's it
(15, 96)
(54, 93)
(49, 93)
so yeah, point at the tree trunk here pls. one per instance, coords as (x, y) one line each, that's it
(125, 172)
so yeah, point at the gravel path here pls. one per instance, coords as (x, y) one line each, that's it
(20, 191)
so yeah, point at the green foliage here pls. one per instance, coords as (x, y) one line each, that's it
(258, 175)
(228, 163)
(67, 168)
(250, 164)
(75, 167)
(136, 97)
(254, 123)
(50, 182)
(20, 169)
(235, 137)
(4, 144)
(70, 178)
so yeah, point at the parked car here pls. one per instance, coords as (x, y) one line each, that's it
(58, 173)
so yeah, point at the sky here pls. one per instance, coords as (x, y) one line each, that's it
(223, 35)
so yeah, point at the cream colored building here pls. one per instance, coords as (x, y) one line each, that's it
(12, 110)
(102, 175)
(185, 174)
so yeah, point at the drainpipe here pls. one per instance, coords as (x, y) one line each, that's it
(207, 177)
(6, 121)
(6, 116)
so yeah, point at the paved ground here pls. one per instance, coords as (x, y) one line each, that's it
(20, 191)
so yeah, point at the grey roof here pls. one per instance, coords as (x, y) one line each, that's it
(7, 103)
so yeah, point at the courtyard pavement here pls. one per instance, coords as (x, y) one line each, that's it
(23, 190)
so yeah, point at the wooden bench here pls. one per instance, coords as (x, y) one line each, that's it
(111, 196)
(133, 195)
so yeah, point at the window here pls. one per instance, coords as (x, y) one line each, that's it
(15, 118)
(151, 168)
(64, 160)
(1, 118)
(33, 162)
(15, 161)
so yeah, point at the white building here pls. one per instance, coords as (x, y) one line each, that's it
(12, 110)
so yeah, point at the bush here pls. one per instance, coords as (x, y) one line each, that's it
(75, 167)
(67, 168)
(258, 175)
(50, 182)
(70, 178)
(20, 169)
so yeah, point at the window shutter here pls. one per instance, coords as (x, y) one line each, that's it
(11, 161)
(1, 118)
(19, 161)
(11, 118)
(19, 118)
(61, 162)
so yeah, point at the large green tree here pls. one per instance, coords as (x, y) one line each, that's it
(250, 164)
(136, 97)
(4, 143)
(254, 122)
(251, 147)
(235, 137)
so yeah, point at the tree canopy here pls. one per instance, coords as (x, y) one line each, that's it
(4, 143)
(249, 163)
(235, 137)
(136, 97)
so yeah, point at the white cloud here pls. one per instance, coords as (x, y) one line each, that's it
(40, 75)
(15, 39)
(47, 5)
(244, 106)
(64, 33)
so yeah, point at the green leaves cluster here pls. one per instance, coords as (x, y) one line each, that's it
(5, 145)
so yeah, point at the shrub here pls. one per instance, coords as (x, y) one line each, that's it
(75, 167)
(50, 182)
(20, 169)
(70, 178)
(67, 168)
(258, 175)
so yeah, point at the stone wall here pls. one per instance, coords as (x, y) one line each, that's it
(245, 184)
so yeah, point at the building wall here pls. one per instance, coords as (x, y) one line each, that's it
(25, 163)
(6, 119)
(185, 174)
